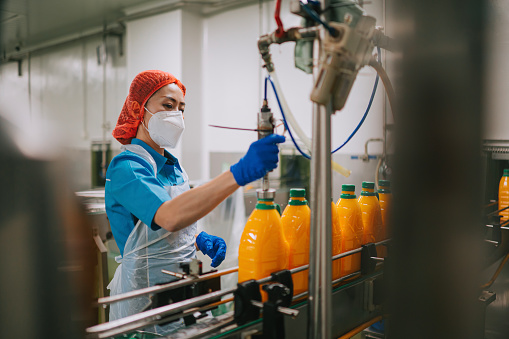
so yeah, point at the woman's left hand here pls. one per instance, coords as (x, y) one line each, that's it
(212, 246)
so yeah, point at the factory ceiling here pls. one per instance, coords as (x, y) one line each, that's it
(28, 23)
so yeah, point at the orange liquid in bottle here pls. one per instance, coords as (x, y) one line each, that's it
(336, 242)
(385, 198)
(263, 249)
(295, 221)
(371, 214)
(503, 195)
(350, 222)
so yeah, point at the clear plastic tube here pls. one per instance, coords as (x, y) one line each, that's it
(289, 116)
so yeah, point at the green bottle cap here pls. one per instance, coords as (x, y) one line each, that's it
(368, 194)
(297, 193)
(384, 183)
(266, 200)
(348, 196)
(348, 188)
(506, 172)
(367, 184)
(265, 207)
(295, 202)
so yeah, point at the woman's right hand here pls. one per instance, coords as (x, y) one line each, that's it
(261, 157)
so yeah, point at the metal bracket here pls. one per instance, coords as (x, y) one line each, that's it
(368, 259)
(368, 295)
(245, 311)
(284, 277)
(273, 322)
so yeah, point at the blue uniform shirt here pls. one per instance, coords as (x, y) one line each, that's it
(132, 192)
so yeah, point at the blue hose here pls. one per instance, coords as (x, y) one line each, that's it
(284, 117)
(312, 13)
(351, 135)
(265, 90)
(367, 109)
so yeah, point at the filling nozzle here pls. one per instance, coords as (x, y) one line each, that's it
(265, 128)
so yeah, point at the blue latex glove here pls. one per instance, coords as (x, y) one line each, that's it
(261, 157)
(212, 246)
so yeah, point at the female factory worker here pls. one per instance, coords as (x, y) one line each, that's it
(151, 209)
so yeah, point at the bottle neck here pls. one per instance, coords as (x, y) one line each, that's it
(297, 201)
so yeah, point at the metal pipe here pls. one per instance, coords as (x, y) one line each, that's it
(97, 31)
(161, 314)
(166, 287)
(497, 211)
(314, 267)
(132, 327)
(326, 222)
(211, 329)
(188, 281)
(140, 320)
(284, 310)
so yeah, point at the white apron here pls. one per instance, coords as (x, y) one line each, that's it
(147, 252)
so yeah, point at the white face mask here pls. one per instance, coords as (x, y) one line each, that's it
(166, 127)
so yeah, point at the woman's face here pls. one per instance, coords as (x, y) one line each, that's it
(167, 98)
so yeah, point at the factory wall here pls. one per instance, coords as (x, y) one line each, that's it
(217, 58)
(242, 80)
(68, 90)
(155, 42)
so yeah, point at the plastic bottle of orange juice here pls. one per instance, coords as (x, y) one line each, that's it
(371, 215)
(503, 195)
(385, 196)
(350, 223)
(295, 221)
(336, 242)
(263, 248)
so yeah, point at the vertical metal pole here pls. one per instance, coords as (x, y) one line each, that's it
(314, 259)
(320, 276)
(324, 199)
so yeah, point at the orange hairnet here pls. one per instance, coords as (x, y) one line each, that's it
(143, 86)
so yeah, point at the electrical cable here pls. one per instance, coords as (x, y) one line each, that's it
(351, 135)
(312, 13)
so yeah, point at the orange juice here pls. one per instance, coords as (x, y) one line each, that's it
(336, 242)
(350, 223)
(295, 222)
(503, 195)
(385, 196)
(263, 248)
(371, 215)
